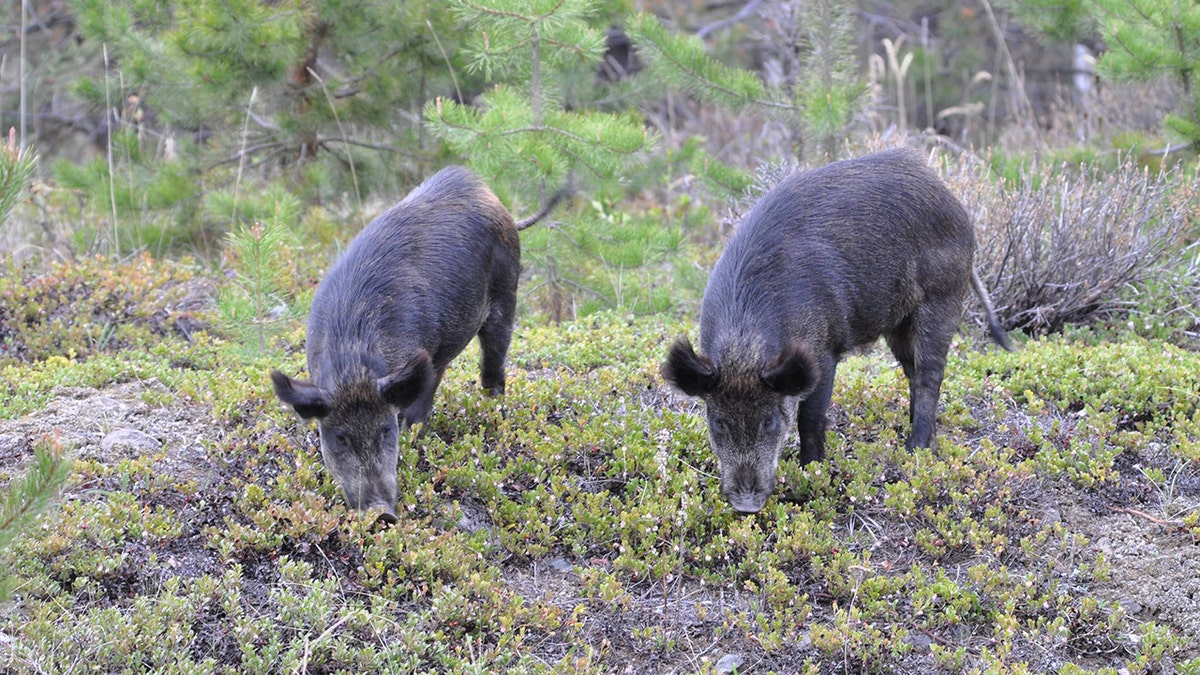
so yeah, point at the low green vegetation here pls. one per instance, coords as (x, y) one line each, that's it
(575, 524)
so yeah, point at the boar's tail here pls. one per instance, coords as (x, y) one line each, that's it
(994, 328)
(563, 192)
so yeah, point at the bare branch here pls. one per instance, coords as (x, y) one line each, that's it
(742, 15)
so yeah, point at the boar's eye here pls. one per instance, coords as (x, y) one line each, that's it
(770, 425)
(336, 438)
(386, 431)
(719, 428)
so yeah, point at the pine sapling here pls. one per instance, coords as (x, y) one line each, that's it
(25, 500)
(254, 303)
(16, 168)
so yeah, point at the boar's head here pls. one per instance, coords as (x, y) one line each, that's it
(359, 428)
(751, 405)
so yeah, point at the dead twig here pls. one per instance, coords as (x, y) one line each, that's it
(1147, 516)
(742, 15)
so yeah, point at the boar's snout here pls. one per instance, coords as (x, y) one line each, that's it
(747, 486)
(746, 502)
(388, 517)
(373, 488)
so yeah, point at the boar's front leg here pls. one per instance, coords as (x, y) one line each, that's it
(418, 411)
(494, 339)
(810, 416)
(900, 340)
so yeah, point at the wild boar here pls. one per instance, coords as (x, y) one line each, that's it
(405, 298)
(828, 260)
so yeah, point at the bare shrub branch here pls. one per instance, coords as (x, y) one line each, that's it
(1059, 247)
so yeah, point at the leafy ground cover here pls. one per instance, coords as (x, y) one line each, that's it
(575, 524)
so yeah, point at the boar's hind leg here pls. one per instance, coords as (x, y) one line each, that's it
(494, 338)
(921, 350)
(901, 341)
(810, 416)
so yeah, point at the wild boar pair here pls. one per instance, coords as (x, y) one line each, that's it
(828, 260)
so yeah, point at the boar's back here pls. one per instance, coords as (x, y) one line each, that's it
(850, 248)
(419, 275)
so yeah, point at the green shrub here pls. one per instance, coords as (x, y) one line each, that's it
(94, 306)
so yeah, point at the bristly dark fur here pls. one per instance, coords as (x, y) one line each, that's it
(828, 260)
(410, 292)
(692, 374)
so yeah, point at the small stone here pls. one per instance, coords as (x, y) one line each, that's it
(562, 565)
(11, 444)
(729, 663)
(919, 640)
(130, 440)
(1051, 516)
(1132, 607)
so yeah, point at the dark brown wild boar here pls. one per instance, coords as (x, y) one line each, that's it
(406, 297)
(828, 260)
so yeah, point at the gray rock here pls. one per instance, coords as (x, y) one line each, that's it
(1132, 607)
(1051, 516)
(130, 441)
(11, 445)
(919, 640)
(729, 663)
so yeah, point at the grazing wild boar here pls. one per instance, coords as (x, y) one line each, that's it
(828, 260)
(406, 297)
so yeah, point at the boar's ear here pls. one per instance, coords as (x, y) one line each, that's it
(692, 374)
(793, 373)
(401, 387)
(306, 398)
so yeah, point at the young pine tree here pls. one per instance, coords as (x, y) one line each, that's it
(828, 90)
(521, 138)
(820, 90)
(254, 304)
(16, 168)
(26, 499)
(1155, 38)
(517, 134)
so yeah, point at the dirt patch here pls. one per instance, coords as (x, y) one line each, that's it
(1155, 568)
(673, 625)
(116, 423)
